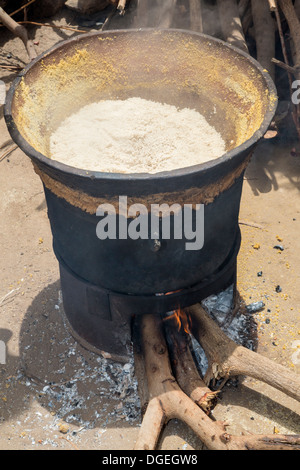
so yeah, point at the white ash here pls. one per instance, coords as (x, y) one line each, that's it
(67, 401)
(91, 392)
(100, 391)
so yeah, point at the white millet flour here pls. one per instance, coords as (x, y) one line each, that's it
(135, 136)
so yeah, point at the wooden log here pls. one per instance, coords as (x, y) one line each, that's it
(139, 365)
(293, 50)
(211, 23)
(243, 7)
(19, 31)
(196, 23)
(227, 359)
(185, 370)
(167, 401)
(297, 8)
(166, 9)
(264, 28)
(294, 26)
(231, 24)
(283, 45)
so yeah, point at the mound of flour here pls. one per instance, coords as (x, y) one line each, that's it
(135, 136)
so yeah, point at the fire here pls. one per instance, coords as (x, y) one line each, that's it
(182, 320)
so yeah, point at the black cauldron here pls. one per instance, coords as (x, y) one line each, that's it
(105, 280)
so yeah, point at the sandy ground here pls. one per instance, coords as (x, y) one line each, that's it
(54, 394)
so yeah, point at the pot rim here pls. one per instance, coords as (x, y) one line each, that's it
(153, 177)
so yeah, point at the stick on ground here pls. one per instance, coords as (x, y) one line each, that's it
(185, 370)
(243, 6)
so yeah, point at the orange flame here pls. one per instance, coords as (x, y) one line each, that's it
(182, 320)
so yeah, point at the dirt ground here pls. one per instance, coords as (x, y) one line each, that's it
(54, 394)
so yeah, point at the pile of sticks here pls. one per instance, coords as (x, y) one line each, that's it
(171, 387)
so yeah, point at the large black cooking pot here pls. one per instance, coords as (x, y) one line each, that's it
(182, 68)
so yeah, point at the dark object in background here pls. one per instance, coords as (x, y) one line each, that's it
(46, 8)
(87, 7)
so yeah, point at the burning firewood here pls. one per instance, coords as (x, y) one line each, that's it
(247, 19)
(196, 16)
(243, 7)
(294, 26)
(166, 12)
(167, 400)
(120, 5)
(231, 360)
(186, 372)
(272, 5)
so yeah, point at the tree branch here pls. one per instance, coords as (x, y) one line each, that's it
(19, 31)
(231, 24)
(167, 401)
(227, 359)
